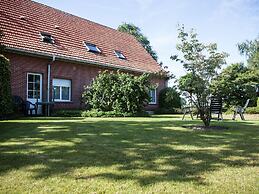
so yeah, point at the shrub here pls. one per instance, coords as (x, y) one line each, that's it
(118, 92)
(249, 110)
(252, 110)
(169, 101)
(97, 113)
(168, 111)
(5, 87)
(67, 113)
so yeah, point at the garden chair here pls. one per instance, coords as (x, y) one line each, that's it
(30, 107)
(216, 107)
(240, 110)
(187, 110)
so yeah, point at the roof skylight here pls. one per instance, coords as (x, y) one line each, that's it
(46, 37)
(92, 48)
(119, 54)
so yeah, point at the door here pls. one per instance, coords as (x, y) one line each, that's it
(34, 89)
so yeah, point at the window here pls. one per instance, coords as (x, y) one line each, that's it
(119, 54)
(92, 48)
(33, 86)
(62, 90)
(46, 37)
(152, 94)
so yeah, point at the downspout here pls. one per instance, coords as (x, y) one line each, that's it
(49, 70)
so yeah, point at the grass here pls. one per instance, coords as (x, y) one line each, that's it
(127, 155)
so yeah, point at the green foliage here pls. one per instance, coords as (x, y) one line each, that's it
(169, 110)
(67, 113)
(191, 82)
(252, 110)
(98, 113)
(135, 31)
(169, 100)
(201, 61)
(236, 83)
(250, 48)
(119, 92)
(2, 47)
(5, 87)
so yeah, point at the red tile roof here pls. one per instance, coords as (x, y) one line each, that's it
(23, 20)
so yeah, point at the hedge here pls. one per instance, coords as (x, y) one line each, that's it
(6, 107)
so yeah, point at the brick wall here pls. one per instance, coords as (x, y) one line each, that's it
(79, 74)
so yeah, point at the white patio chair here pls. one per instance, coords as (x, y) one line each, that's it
(240, 110)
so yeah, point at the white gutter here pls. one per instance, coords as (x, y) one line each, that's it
(73, 59)
(48, 87)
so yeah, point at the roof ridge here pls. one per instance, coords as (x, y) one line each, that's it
(79, 17)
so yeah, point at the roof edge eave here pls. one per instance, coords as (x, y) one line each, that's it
(72, 59)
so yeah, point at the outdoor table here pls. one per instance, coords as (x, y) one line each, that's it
(46, 106)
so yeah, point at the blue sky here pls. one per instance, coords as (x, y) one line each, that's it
(225, 22)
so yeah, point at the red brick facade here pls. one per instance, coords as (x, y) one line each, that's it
(79, 74)
(24, 24)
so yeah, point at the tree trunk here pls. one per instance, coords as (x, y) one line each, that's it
(205, 117)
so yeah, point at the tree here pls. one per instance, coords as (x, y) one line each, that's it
(236, 83)
(1, 44)
(250, 48)
(119, 92)
(135, 31)
(5, 87)
(201, 61)
(190, 83)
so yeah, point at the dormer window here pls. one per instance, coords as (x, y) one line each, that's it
(92, 48)
(46, 37)
(119, 54)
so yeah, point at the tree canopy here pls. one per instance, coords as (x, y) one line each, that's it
(135, 31)
(250, 48)
(236, 83)
(201, 61)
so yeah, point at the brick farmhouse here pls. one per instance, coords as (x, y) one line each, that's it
(54, 54)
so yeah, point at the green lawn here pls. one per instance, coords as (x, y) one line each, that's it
(127, 155)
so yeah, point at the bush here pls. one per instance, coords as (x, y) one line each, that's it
(118, 93)
(168, 111)
(67, 113)
(252, 110)
(249, 110)
(169, 101)
(5, 87)
(96, 113)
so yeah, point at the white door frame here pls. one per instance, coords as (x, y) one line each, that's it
(33, 100)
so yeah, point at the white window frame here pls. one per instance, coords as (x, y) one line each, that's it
(62, 83)
(155, 101)
(119, 54)
(40, 97)
(89, 50)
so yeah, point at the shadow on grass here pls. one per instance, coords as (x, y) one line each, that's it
(162, 148)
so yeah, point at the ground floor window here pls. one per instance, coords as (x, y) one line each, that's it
(152, 94)
(62, 90)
